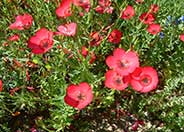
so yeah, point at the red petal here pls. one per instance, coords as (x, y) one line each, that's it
(1, 85)
(70, 101)
(111, 62)
(118, 53)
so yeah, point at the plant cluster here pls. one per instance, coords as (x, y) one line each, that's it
(91, 54)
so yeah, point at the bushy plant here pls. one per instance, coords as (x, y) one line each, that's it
(49, 47)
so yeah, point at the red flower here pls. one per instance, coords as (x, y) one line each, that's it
(41, 42)
(182, 37)
(64, 10)
(154, 28)
(13, 90)
(92, 57)
(154, 8)
(96, 39)
(147, 18)
(116, 81)
(99, 9)
(79, 96)
(136, 124)
(22, 22)
(14, 37)
(104, 6)
(109, 10)
(139, 1)
(128, 13)
(1, 85)
(67, 29)
(85, 4)
(144, 79)
(115, 36)
(123, 62)
(84, 51)
(104, 3)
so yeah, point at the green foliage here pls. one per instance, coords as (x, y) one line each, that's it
(51, 73)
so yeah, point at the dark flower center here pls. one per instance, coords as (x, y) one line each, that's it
(128, 14)
(67, 11)
(123, 64)
(145, 80)
(81, 1)
(81, 96)
(44, 43)
(118, 80)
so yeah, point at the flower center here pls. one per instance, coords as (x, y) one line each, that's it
(145, 80)
(127, 14)
(123, 64)
(44, 43)
(118, 80)
(81, 1)
(81, 96)
(67, 11)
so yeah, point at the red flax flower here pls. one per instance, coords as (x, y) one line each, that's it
(67, 29)
(96, 39)
(154, 28)
(144, 79)
(154, 8)
(41, 42)
(147, 18)
(123, 62)
(84, 51)
(22, 22)
(64, 10)
(116, 81)
(79, 96)
(115, 36)
(182, 37)
(14, 37)
(85, 4)
(104, 6)
(128, 13)
(92, 57)
(1, 85)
